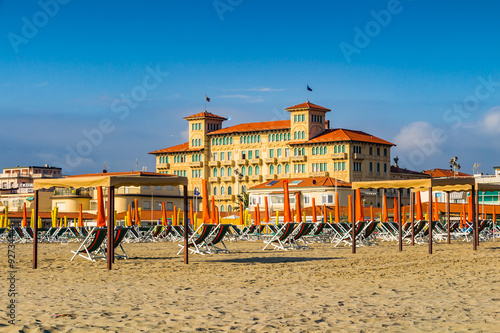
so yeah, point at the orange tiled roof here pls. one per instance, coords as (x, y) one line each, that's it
(205, 114)
(307, 105)
(340, 134)
(254, 127)
(305, 182)
(183, 147)
(435, 173)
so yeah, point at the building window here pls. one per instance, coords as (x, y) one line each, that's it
(371, 150)
(378, 151)
(271, 153)
(250, 171)
(287, 152)
(371, 167)
(215, 157)
(215, 172)
(257, 154)
(229, 171)
(279, 169)
(271, 169)
(243, 155)
(327, 198)
(257, 170)
(215, 190)
(250, 154)
(385, 151)
(385, 168)
(278, 152)
(243, 170)
(287, 168)
(222, 172)
(229, 155)
(222, 156)
(378, 167)
(307, 199)
(229, 190)
(222, 190)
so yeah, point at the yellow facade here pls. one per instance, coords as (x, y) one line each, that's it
(236, 158)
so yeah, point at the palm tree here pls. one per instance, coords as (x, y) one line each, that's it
(244, 199)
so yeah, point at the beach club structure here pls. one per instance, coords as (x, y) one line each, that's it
(111, 181)
(237, 157)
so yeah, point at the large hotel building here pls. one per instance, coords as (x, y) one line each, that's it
(238, 157)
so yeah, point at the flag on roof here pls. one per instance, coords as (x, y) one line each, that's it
(207, 98)
(309, 88)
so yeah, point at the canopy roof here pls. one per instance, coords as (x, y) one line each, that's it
(116, 179)
(437, 184)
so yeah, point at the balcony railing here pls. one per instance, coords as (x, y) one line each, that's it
(359, 156)
(270, 160)
(214, 179)
(302, 158)
(339, 156)
(163, 165)
(319, 174)
(214, 163)
(228, 179)
(242, 162)
(226, 197)
(284, 159)
(227, 163)
(270, 177)
(196, 164)
(255, 178)
(255, 161)
(72, 192)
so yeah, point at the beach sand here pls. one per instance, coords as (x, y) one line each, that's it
(321, 289)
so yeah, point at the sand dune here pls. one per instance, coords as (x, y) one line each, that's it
(322, 289)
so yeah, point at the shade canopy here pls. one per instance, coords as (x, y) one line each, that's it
(116, 179)
(445, 184)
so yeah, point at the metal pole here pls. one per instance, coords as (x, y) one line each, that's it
(474, 223)
(111, 227)
(412, 217)
(354, 223)
(35, 233)
(186, 226)
(448, 215)
(400, 223)
(430, 220)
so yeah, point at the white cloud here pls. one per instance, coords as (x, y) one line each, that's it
(490, 123)
(412, 135)
(235, 96)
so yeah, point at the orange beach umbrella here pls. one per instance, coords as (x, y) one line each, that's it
(396, 213)
(80, 216)
(299, 208)
(25, 217)
(205, 205)
(286, 206)
(241, 213)
(372, 217)
(214, 213)
(163, 214)
(349, 208)
(314, 217)
(494, 217)
(266, 214)
(257, 215)
(469, 203)
(418, 211)
(436, 210)
(359, 206)
(337, 208)
(101, 218)
(385, 213)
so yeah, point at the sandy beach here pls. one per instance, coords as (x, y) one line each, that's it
(321, 289)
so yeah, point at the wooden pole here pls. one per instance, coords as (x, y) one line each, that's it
(412, 217)
(186, 225)
(400, 222)
(430, 220)
(353, 222)
(35, 233)
(448, 216)
(111, 226)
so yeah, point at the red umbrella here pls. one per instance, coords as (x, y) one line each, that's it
(470, 217)
(216, 213)
(191, 214)
(101, 218)
(349, 209)
(494, 217)
(359, 207)
(324, 213)
(25, 217)
(286, 205)
(174, 217)
(436, 210)
(266, 214)
(205, 205)
(129, 215)
(80, 216)
(337, 208)
(315, 218)
(136, 212)
(257, 215)
(418, 211)
(385, 213)
(163, 214)
(299, 208)
(396, 213)
(372, 217)
(403, 218)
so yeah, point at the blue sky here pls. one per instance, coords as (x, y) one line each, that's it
(422, 74)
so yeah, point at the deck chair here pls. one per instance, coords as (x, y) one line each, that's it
(90, 246)
(303, 229)
(347, 237)
(3, 234)
(198, 238)
(280, 240)
(368, 234)
(218, 236)
(418, 226)
(120, 234)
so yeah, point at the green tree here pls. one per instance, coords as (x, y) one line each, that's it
(244, 199)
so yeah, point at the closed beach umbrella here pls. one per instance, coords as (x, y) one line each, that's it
(257, 215)
(314, 217)
(191, 210)
(494, 217)
(286, 202)
(25, 218)
(80, 216)
(359, 207)
(385, 212)
(216, 215)
(241, 213)
(174, 217)
(337, 208)
(101, 218)
(396, 213)
(470, 217)
(266, 213)
(372, 217)
(299, 208)
(324, 212)
(403, 217)
(418, 210)
(129, 215)
(163, 214)
(349, 209)
(205, 206)
(136, 212)
(436, 210)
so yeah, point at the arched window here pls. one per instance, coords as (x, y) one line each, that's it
(258, 140)
(325, 150)
(321, 151)
(243, 170)
(274, 137)
(250, 170)
(222, 172)
(294, 135)
(288, 136)
(303, 151)
(271, 169)
(251, 139)
(231, 140)
(229, 190)
(269, 138)
(287, 168)
(279, 169)
(303, 135)
(215, 172)
(222, 190)
(343, 148)
(281, 137)
(229, 208)
(222, 209)
(335, 149)
(257, 170)
(215, 190)
(229, 171)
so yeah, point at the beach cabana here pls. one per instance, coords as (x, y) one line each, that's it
(446, 185)
(111, 181)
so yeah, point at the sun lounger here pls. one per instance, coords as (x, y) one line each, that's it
(347, 238)
(303, 229)
(197, 240)
(89, 248)
(217, 237)
(280, 240)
